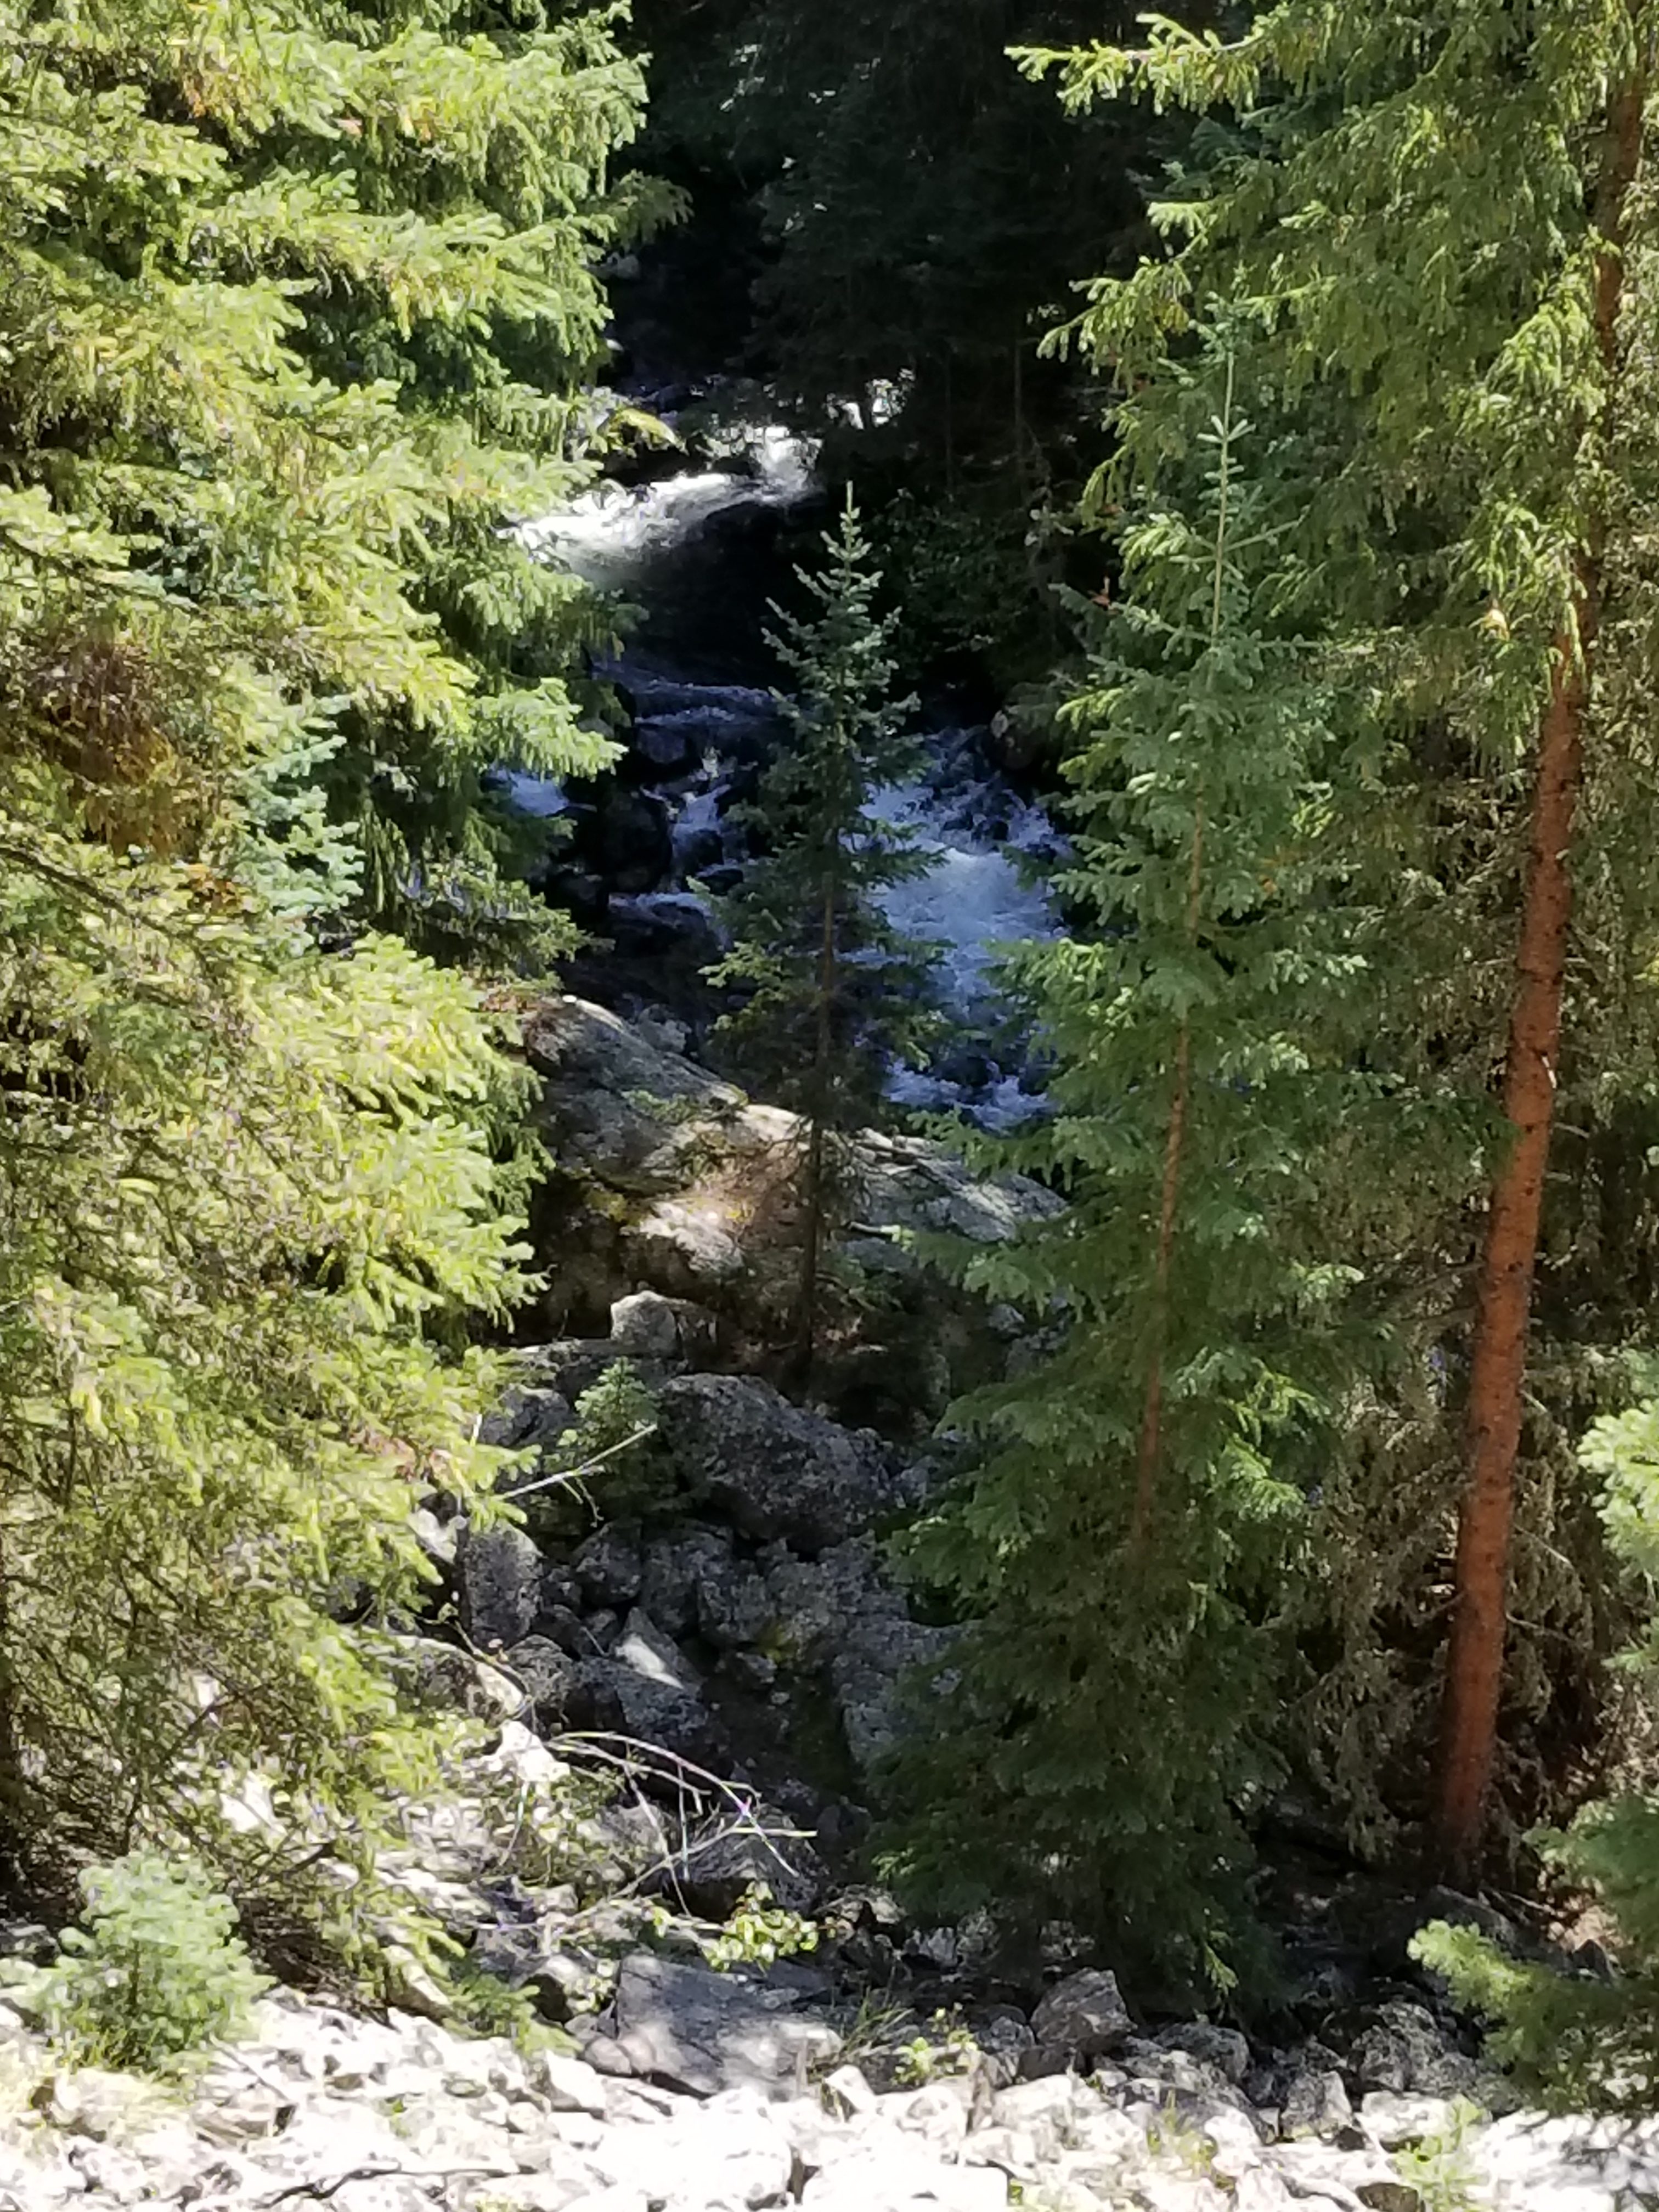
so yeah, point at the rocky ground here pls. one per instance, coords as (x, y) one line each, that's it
(739, 2093)
(686, 1673)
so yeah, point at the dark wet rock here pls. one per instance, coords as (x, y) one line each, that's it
(1085, 2014)
(713, 1876)
(1223, 2048)
(843, 1612)
(670, 929)
(527, 1417)
(498, 1572)
(611, 1567)
(644, 1688)
(774, 1468)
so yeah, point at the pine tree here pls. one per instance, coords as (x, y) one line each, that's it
(1126, 1552)
(249, 1191)
(830, 992)
(1432, 210)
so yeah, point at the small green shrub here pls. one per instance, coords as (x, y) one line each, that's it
(759, 1933)
(948, 2049)
(611, 1452)
(486, 2005)
(157, 1972)
(1439, 2168)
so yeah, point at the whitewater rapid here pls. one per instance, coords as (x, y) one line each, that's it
(978, 893)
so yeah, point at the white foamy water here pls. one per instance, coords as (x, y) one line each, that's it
(971, 899)
(602, 535)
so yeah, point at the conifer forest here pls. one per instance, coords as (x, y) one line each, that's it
(829, 1102)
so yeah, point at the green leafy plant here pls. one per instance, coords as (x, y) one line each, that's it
(946, 2048)
(1440, 2168)
(157, 1974)
(1174, 2137)
(487, 2005)
(759, 1932)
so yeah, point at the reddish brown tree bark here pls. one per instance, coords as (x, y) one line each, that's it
(813, 1194)
(1475, 1675)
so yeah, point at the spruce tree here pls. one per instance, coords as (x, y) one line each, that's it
(1126, 1552)
(1433, 212)
(829, 993)
(249, 1191)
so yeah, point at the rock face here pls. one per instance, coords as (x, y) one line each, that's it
(771, 1468)
(672, 1179)
(690, 2029)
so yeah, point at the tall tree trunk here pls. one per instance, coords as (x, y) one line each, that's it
(812, 1193)
(1474, 1670)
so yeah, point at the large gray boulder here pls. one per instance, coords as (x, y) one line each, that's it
(667, 1169)
(1401, 2046)
(647, 1326)
(1085, 2014)
(772, 1468)
(499, 1571)
(692, 2029)
(645, 1688)
(615, 1103)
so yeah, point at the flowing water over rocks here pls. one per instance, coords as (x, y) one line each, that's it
(699, 552)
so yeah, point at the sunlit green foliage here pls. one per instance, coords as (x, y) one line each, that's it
(302, 310)
(249, 1195)
(156, 1976)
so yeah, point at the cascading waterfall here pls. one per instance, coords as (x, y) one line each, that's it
(974, 897)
